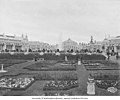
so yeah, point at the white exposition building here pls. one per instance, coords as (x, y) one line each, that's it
(111, 43)
(13, 43)
(71, 45)
(36, 45)
(20, 43)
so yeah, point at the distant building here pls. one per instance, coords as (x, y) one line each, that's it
(112, 44)
(36, 45)
(93, 46)
(70, 45)
(13, 43)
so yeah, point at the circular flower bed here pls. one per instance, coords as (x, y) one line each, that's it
(105, 84)
(61, 85)
(112, 89)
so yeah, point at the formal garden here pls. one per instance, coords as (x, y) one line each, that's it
(56, 76)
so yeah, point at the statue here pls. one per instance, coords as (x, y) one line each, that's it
(79, 62)
(91, 86)
(66, 58)
(2, 70)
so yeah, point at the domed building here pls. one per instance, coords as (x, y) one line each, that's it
(70, 45)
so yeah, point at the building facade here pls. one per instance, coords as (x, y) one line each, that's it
(39, 46)
(13, 43)
(69, 45)
(111, 44)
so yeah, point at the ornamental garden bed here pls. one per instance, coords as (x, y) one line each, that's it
(16, 83)
(71, 62)
(50, 67)
(105, 84)
(61, 85)
(104, 62)
(101, 65)
(105, 81)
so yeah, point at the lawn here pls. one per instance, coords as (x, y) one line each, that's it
(50, 67)
(57, 76)
(11, 62)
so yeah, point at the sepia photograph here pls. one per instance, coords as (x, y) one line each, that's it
(59, 48)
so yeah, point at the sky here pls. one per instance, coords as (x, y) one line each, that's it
(53, 21)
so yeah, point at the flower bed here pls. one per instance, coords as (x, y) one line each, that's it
(16, 83)
(104, 62)
(61, 85)
(105, 84)
(105, 81)
(68, 63)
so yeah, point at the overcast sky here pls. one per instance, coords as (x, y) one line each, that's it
(50, 20)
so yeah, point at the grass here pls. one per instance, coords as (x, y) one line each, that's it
(103, 65)
(10, 62)
(56, 76)
(50, 67)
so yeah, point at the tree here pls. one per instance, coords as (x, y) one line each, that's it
(29, 50)
(68, 51)
(43, 50)
(57, 50)
(98, 51)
